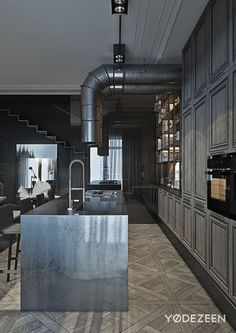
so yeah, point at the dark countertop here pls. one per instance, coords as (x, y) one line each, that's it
(94, 205)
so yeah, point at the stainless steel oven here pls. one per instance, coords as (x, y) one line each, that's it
(221, 184)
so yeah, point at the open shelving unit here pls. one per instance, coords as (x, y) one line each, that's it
(168, 141)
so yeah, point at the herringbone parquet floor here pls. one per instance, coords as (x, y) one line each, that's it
(159, 283)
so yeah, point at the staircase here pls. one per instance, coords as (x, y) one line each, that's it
(45, 133)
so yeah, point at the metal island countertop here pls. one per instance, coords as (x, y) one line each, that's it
(97, 202)
(76, 262)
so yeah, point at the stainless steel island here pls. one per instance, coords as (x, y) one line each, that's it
(75, 262)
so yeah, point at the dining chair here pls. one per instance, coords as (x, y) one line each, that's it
(40, 199)
(26, 205)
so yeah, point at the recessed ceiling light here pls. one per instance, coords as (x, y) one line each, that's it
(119, 9)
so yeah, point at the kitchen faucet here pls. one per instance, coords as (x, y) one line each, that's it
(71, 189)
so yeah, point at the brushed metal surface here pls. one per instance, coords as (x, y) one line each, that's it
(75, 263)
(92, 206)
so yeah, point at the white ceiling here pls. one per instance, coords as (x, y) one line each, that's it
(49, 46)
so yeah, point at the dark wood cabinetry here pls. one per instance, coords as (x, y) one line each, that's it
(219, 116)
(187, 152)
(234, 108)
(200, 56)
(178, 217)
(200, 235)
(171, 219)
(234, 29)
(165, 207)
(219, 45)
(208, 128)
(219, 250)
(234, 260)
(1, 160)
(199, 148)
(187, 73)
(187, 225)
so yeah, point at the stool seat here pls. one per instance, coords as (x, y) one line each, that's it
(9, 228)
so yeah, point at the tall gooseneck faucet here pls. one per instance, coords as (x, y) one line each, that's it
(71, 189)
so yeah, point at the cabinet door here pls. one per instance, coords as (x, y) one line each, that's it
(234, 109)
(187, 227)
(171, 219)
(187, 73)
(1, 160)
(219, 50)
(165, 208)
(200, 55)
(234, 30)
(160, 204)
(200, 235)
(178, 218)
(187, 153)
(234, 260)
(200, 120)
(219, 116)
(219, 250)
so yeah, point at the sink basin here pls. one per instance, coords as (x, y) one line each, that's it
(95, 193)
(100, 194)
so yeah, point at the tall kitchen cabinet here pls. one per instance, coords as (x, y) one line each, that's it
(208, 123)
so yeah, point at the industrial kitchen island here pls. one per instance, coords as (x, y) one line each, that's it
(76, 262)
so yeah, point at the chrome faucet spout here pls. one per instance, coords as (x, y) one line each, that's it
(71, 189)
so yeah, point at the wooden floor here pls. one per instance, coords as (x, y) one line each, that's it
(159, 283)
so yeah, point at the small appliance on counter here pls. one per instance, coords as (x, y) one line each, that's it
(221, 184)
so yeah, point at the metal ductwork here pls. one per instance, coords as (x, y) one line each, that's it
(149, 77)
(139, 89)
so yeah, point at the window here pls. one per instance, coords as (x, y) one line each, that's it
(35, 162)
(107, 167)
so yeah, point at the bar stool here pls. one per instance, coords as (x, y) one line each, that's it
(11, 230)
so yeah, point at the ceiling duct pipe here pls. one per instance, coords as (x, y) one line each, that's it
(110, 75)
(140, 89)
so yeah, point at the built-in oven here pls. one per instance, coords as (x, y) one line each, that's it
(221, 184)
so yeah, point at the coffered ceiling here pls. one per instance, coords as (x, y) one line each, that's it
(49, 46)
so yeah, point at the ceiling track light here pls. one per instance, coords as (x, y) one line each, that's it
(119, 53)
(120, 9)
(119, 6)
(119, 2)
